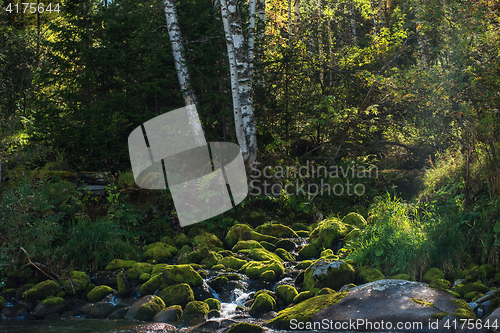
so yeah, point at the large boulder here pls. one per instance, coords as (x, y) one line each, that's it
(97, 310)
(263, 303)
(149, 309)
(98, 293)
(232, 262)
(332, 274)
(177, 294)
(328, 233)
(276, 230)
(159, 252)
(74, 282)
(195, 311)
(261, 255)
(50, 306)
(245, 328)
(250, 244)
(286, 293)
(243, 232)
(174, 274)
(255, 269)
(139, 269)
(42, 290)
(355, 220)
(393, 302)
(170, 314)
(136, 305)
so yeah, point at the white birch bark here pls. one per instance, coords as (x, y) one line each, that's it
(175, 35)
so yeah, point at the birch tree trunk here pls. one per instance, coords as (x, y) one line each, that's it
(175, 35)
(423, 45)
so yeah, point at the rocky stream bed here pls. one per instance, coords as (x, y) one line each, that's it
(271, 278)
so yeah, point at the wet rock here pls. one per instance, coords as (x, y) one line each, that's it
(74, 304)
(42, 290)
(50, 306)
(118, 313)
(125, 302)
(227, 322)
(170, 314)
(98, 293)
(106, 278)
(177, 294)
(201, 293)
(245, 328)
(262, 304)
(213, 304)
(148, 310)
(286, 244)
(208, 326)
(254, 270)
(123, 285)
(392, 301)
(218, 283)
(155, 328)
(331, 274)
(74, 282)
(136, 305)
(213, 314)
(97, 310)
(195, 312)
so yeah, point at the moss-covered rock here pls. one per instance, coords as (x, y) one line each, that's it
(250, 244)
(433, 273)
(237, 233)
(331, 274)
(209, 241)
(151, 286)
(178, 274)
(304, 311)
(355, 220)
(401, 276)
(211, 259)
(268, 246)
(74, 282)
(360, 209)
(119, 264)
(213, 304)
(42, 290)
(50, 306)
(89, 288)
(276, 230)
(440, 284)
(139, 269)
(367, 275)
(123, 285)
(232, 262)
(181, 240)
(310, 251)
(464, 289)
(170, 314)
(195, 311)
(286, 293)
(262, 238)
(3, 302)
(302, 233)
(269, 276)
(304, 264)
(177, 294)
(245, 328)
(98, 293)
(218, 267)
(218, 283)
(159, 252)
(144, 277)
(263, 303)
(353, 234)
(305, 295)
(147, 311)
(255, 269)
(483, 273)
(326, 291)
(284, 255)
(464, 311)
(262, 255)
(286, 244)
(328, 233)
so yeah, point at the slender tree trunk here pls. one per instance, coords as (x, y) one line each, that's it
(423, 45)
(296, 9)
(353, 26)
(320, 44)
(175, 35)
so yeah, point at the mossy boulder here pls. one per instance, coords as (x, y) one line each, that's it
(353, 234)
(98, 293)
(262, 255)
(304, 264)
(464, 289)
(483, 273)
(286, 244)
(245, 328)
(284, 255)
(119, 264)
(237, 233)
(440, 284)
(178, 274)
(262, 303)
(74, 282)
(402, 276)
(329, 232)
(255, 269)
(180, 240)
(355, 220)
(303, 311)
(262, 238)
(209, 241)
(50, 306)
(151, 286)
(326, 291)
(170, 314)
(360, 209)
(42, 290)
(268, 246)
(367, 275)
(305, 295)
(269, 276)
(218, 267)
(331, 274)
(144, 277)
(122, 285)
(276, 230)
(213, 304)
(302, 233)
(286, 294)
(3, 302)
(159, 252)
(177, 294)
(310, 251)
(211, 259)
(250, 244)
(139, 269)
(218, 283)
(147, 311)
(89, 288)
(433, 273)
(195, 311)
(232, 262)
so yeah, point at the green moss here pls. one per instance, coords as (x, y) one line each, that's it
(178, 311)
(367, 275)
(209, 241)
(250, 244)
(304, 311)
(464, 314)
(304, 264)
(123, 289)
(232, 262)
(119, 264)
(284, 254)
(181, 240)
(160, 252)
(452, 293)
(286, 293)
(3, 302)
(211, 259)
(245, 328)
(61, 294)
(302, 233)
(195, 311)
(218, 267)
(464, 289)
(326, 291)
(262, 303)
(268, 246)
(236, 233)
(98, 293)
(177, 294)
(139, 269)
(269, 276)
(218, 283)
(433, 273)
(151, 286)
(179, 274)
(276, 230)
(144, 277)
(304, 295)
(89, 288)
(353, 234)
(355, 219)
(422, 302)
(310, 251)
(440, 284)
(147, 311)
(54, 301)
(74, 282)
(42, 290)
(262, 238)
(440, 315)
(326, 253)
(213, 303)
(402, 276)
(331, 274)
(483, 273)
(262, 255)
(255, 269)
(328, 232)
(360, 209)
